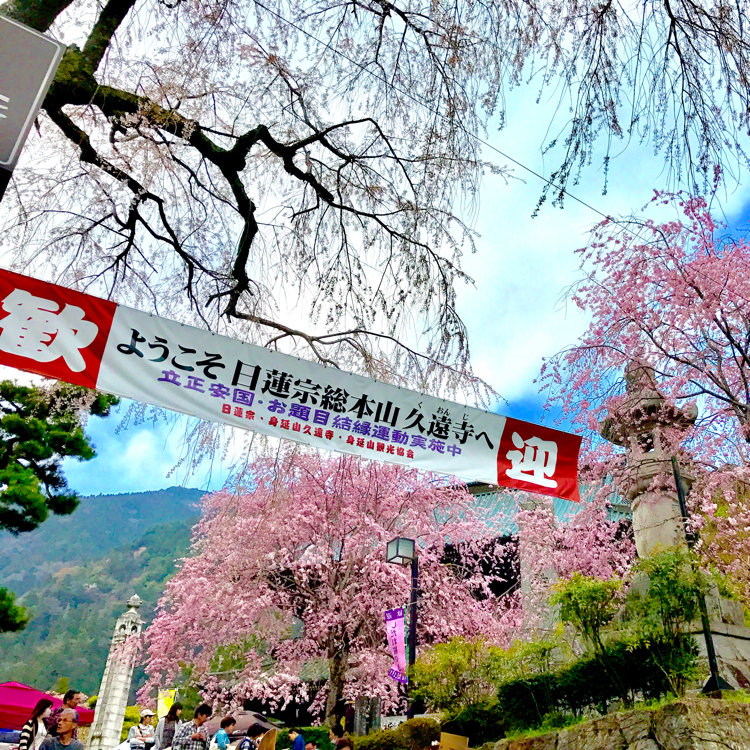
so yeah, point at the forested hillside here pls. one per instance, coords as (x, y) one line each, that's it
(75, 574)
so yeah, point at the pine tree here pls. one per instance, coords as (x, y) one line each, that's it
(38, 427)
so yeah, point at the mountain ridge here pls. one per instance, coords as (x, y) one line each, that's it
(75, 574)
(100, 523)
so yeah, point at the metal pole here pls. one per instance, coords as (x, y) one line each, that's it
(5, 175)
(715, 681)
(412, 629)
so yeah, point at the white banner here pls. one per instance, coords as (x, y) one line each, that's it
(75, 337)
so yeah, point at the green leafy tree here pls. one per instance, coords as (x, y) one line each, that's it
(459, 673)
(38, 427)
(669, 600)
(660, 604)
(589, 604)
(132, 717)
(12, 617)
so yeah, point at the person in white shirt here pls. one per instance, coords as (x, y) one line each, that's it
(35, 730)
(141, 737)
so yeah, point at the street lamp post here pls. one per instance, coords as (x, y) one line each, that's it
(402, 551)
(715, 682)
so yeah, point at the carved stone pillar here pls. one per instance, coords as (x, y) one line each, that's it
(118, 673)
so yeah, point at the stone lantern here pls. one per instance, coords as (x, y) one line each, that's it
(651, 429)
(641, 424)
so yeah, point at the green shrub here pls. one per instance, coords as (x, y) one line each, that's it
(318, 735)
(635, 669)
(659, 613)
(525, 702)
(459, 673)
(419, 733)
(132, 717)
(482, 722)
(414, 734)
(387, 739)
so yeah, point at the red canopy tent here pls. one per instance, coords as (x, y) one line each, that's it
(17, 701)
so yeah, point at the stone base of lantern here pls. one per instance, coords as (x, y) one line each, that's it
(731, 639)
(732, 646)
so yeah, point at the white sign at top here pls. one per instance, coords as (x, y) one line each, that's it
(28, 62)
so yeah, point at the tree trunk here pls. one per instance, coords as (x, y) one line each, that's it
(338, 661)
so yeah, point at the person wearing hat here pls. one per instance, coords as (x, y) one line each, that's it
(141, 737)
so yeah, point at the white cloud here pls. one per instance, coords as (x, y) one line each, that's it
(515, 314)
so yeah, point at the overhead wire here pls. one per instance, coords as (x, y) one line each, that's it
(434, 111)
(437, 113)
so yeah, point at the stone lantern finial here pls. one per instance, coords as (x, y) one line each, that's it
(649, 426)
(638, 421)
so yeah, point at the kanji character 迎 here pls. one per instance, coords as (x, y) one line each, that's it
(534, 461)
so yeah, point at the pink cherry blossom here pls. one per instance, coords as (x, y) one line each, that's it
(291, 572)
(670, 291)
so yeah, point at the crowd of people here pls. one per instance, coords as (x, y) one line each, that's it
(56, 728)
(51, 728)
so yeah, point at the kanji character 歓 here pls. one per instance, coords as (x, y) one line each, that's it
(36, 328)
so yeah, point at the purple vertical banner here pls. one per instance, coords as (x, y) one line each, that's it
(395, 630)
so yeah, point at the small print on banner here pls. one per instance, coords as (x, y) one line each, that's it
(396, 630)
